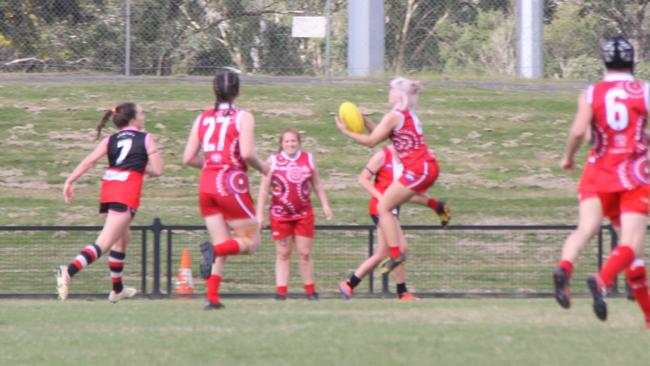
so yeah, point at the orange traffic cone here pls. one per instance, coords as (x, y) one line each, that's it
(184, 281)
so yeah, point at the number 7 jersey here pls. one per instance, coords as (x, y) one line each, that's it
(619, 146)
(127, 160)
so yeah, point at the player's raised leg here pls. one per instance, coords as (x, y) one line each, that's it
(388, 223)
(114, 228)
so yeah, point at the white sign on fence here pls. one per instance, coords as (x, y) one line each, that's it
(308, 27)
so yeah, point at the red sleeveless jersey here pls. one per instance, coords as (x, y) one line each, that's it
(291, 186)
(127, 159)
(390, 171)
(619, 148)
(224, 170)
(408, 139)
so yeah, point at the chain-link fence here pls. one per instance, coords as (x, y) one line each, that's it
(461, 261)
(194, 36)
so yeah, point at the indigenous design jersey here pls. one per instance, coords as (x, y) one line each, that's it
(390, 171)
(619, 147)
(224, 170)
(291, 186)
(127, 159)
(408, 139)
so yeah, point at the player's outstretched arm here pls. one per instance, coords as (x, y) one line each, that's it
(370, 125)
(379, 134)
(84, 165)
(154, 166)
(577, 132)
(263, 194)
(319, 187)
(191, 155)
(369, 171)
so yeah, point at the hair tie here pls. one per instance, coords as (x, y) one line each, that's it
(114, 111)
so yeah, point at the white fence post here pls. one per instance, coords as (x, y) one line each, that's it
(530, 38)
(365, 37)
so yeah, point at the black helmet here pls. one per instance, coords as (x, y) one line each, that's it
(618, 53)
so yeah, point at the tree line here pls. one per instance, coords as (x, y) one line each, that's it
(456, 37)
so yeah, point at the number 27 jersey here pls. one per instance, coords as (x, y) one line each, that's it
(619, 147)
(224, 170)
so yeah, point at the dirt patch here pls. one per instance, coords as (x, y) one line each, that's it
(339, 181)
(546, 181)
(510, 247)
(288, 111)
(83, 135)
(27, 129)
(10, 173)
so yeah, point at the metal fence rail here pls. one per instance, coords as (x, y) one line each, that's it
(469, 260)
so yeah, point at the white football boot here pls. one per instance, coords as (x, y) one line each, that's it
(62, 282)
(126, 293)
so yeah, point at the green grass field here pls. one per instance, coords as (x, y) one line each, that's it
(498, 149)
(329, 332)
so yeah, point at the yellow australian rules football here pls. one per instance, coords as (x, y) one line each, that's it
(350, 115)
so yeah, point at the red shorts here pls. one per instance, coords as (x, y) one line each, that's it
(420, 176)
(587, 189)
(281, 229)
(232, 207)
(617, 203)
(587, 184)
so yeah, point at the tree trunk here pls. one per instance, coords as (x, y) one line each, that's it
(402, 40)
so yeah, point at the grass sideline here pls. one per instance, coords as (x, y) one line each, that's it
(498, 148)
(329, 332)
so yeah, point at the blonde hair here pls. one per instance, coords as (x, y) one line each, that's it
(409, 89)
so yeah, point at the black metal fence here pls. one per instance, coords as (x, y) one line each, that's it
(471, 260)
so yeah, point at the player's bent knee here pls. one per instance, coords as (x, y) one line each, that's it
(248, 238)
(248, 245)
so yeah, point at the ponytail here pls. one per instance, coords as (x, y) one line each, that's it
(102, 123)
(226, 87)
(409, 89)
(122, 114)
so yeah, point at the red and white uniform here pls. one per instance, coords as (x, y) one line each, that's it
(420, 165)
(587, 184)
(291, 210)
(127, 159)
(224, 186)
(390, 171)
(617, 165)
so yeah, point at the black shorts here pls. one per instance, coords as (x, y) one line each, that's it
(117, 207)
(375, 218)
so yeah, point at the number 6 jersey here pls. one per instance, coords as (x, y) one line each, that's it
(127, 159)
(619, 147)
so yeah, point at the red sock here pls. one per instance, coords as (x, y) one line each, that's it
(433, 204)
(567, 267)
(637, 278)
(212, 288)
(228, 247)
(620, 258)
(394, 252)
(310, 288)
(282, 290)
